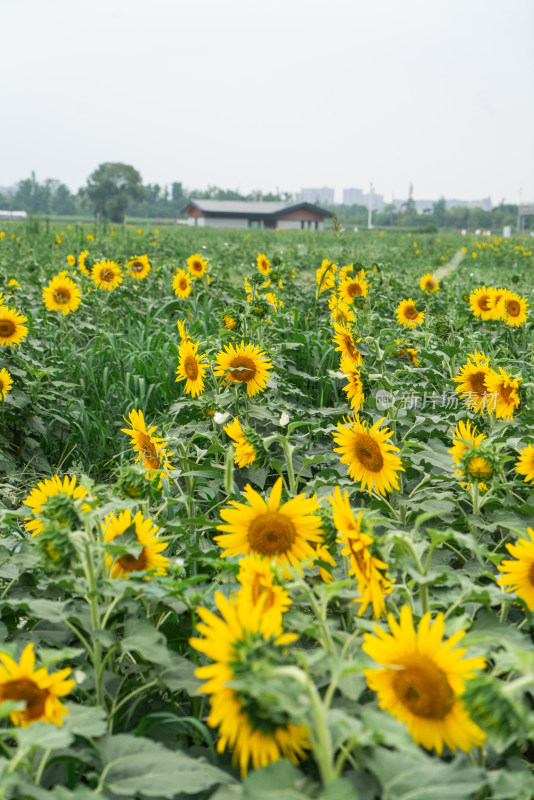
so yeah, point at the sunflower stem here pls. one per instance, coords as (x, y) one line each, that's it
(288, 452)
(92, 595)
(42, 765)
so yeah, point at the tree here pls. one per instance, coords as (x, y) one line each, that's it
(112, 187)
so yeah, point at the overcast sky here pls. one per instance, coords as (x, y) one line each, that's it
(273, 93)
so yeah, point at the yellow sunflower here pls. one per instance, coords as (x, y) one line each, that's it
(421, 679)
(513, 309)
(353, 287)
(429, 284)
(62, 294)
(184, 336)
(325, 276)
(71, 260)
(494, 302)
(152, 450)
(502, 393)
(518, 575)
(197, 265)
(244, 364)
(106, 275)
(22, 683)
(229, 322)
(245, 452)
(478, 467)
(263, 264)
(139, 531)
(232, 641)
(181, 283)
(472, 381)
(81, 263)
(346, 343)
(407, 314)
(138, 267)
(12, 331)
(465, 438)
(354, 387)
(368, 454)
(525, 463)
(406, 352)
(6, 383)
(190, 368)
(281, 532)
(340, 311)
(257, 586)
(54, 498)
(481, 303)
(372, 584)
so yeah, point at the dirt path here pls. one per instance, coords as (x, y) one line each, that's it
(450, 267)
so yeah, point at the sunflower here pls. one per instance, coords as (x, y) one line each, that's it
(181, 283)
(494, 302)
(478, 467)
(429, 284)
(138, 267)
(502, 393)
(257, 585)
(325, 276)
(12, 331)
(525, 463)
(422, 678)
(354, 387)
(22, 683)
(372, 584)
(465, 438)
(408, 315)
(244, 364)
(513, 309)
(323, 554)
(190, 368)
(249, 727)
(368, 454)
(71, 260)
(81, 263)
(346, 342)
(152, 450)
(340, 311)
(281, 532)
(481, 303)
(245, 452)
(472, 381)
(6, 383)
(139, 531)
(54, 498)
(518, 575)
(184, 336)
(229, 322)
(406, 352)
(263, 264)
(62, 294)
(106, 275)
(197, 265)
(353, 287)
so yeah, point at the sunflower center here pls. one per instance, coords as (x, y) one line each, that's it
(423, 689)
(137, 266)
(243, 369)
(148, 448)
(349, 346)
(183, 284)
(513, 308)
(7, 327)
(477, 382)
(28, 691)
(430, 284)
(354, 289)
(130, 563)
(107, 275)
(410, 312)
(505, 393)
(62, 296)
(483, 303)
(271, 534)
(191, 368)
(197, 266)
(531, 574)
(368, 452)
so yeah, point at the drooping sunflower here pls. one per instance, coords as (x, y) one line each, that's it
(354, 387)
(233, 641)
(525, 463)
(245, 452)
(182, 330)
(263, 264)
(369, 456)
(190, 368)
(421, 679)
(12, 331)
(407, 314)
(140, 531)
(368, 570)
(197, 265)
(138, 267)
(244, 364)
(502, 393)
(54, 498)
(429, 284)
(465, 438)
(518, 575)
(151, 450)
(346, 343)
(181, 283)
(6, 383)
(106, 274)
(81, 263)
(282, 532)
(350, 288)
(340, 311)
(481, 303)
(257, 585)
(62, 294)
(472, 381)
(513, 309)
(36, 688)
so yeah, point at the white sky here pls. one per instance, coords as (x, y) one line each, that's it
(273, 93)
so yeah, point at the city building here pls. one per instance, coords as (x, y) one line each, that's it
(325, 196)
(246, 214)
(353, 197)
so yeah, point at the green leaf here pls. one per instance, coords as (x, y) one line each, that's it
(87, 721)
(278, 781)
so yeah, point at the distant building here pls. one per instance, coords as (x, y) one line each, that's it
(13, 215)
(484, 203)
(424, 206)
(353, 197)
(376, 200)
(246, 214)
(325, 196)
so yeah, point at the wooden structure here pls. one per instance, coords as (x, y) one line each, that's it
(245, 214)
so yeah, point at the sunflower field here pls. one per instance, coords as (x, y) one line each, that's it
(266, 514)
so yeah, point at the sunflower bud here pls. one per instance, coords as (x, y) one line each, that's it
(56, 548)
(132, 483)
(63, 509)
(481, 462)
(490, 708)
